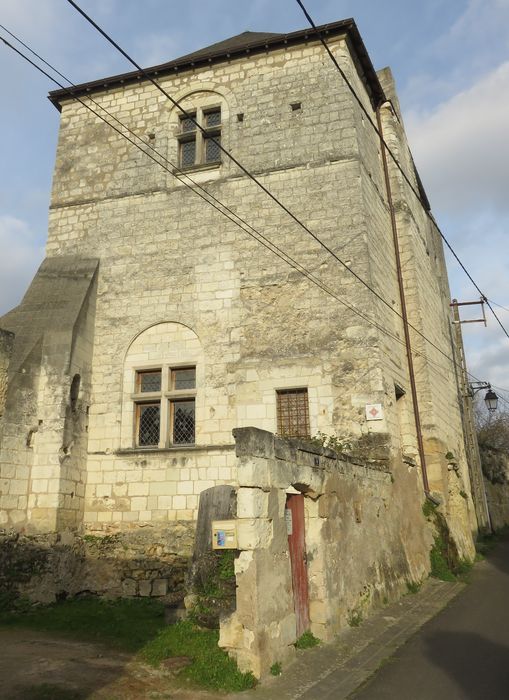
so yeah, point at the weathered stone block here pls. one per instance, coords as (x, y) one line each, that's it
(252, 503)
(287, 630)
(254, 533)
(231, 632)
(159, 587)
(318, 611)
(145, 588)
(254, 471)
(129, 587)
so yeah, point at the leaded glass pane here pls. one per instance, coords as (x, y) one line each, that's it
(149, 381)
(293, 413)
(188, 153)
(213, 118)
(187, 124)
(149, 419)
(183, 422)
(212, 150)
(184, 378)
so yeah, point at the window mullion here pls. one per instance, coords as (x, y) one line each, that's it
(163, 434)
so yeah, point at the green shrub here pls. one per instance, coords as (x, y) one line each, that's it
(306, 641)
(355, 618)
(428, 508)
(439, 565)
(413, 586)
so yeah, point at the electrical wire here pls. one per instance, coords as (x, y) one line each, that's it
(179, 174)
(216, 203)
(499, 305)
(395, 160)
(187, 115)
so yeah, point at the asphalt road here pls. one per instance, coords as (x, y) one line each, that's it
(462, 653)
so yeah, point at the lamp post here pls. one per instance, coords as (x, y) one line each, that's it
(491, 399)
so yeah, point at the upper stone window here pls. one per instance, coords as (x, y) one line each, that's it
(198, 148)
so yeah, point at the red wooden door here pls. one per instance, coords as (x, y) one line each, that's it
(297, 547)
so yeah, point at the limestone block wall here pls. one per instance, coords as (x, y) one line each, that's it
(167, 258)
(427, 300)
(6, 343)
(436, 358)
(365, 536)
(125, 490)
(254, 325)
(43, 448)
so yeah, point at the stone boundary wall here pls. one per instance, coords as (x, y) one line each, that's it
(366, 538)
(495, 464)
(146, 562)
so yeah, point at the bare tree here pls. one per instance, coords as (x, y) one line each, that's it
(493, 439)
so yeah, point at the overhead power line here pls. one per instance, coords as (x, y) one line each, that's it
(213, 201)
(395, 160)
(182, 176)
(499, 305)
(187, 115)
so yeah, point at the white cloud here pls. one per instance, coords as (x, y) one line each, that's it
(21, 256)
(489, 362)
(461, 147)
(481, 17)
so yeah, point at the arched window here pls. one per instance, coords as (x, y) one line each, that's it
(162, 378)
(165, 406)
(198, 128)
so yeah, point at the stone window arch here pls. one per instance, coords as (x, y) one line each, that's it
(196, 149)
(163, 382)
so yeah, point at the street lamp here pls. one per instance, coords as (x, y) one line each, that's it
(491, 399)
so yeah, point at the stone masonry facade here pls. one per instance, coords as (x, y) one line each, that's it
(142, 276)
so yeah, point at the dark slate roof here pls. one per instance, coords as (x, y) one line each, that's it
(238, 47)
(239, 41)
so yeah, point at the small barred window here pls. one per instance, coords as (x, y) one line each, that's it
(293, 413)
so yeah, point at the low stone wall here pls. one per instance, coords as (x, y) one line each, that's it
(365, 538)
(495, 466)
(144, 562)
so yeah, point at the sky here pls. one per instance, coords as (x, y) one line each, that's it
(450, 61)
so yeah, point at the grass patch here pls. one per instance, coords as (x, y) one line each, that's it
(413, 587)
(306, 641)
(439, 563)
(441, 567)
(124, 624)
(275, 669)
(134, 626)
(355, 618)
(211, 667)
(428, 508)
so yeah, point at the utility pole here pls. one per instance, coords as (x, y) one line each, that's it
(471, 444)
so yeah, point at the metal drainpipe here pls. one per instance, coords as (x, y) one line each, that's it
(404, 315)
